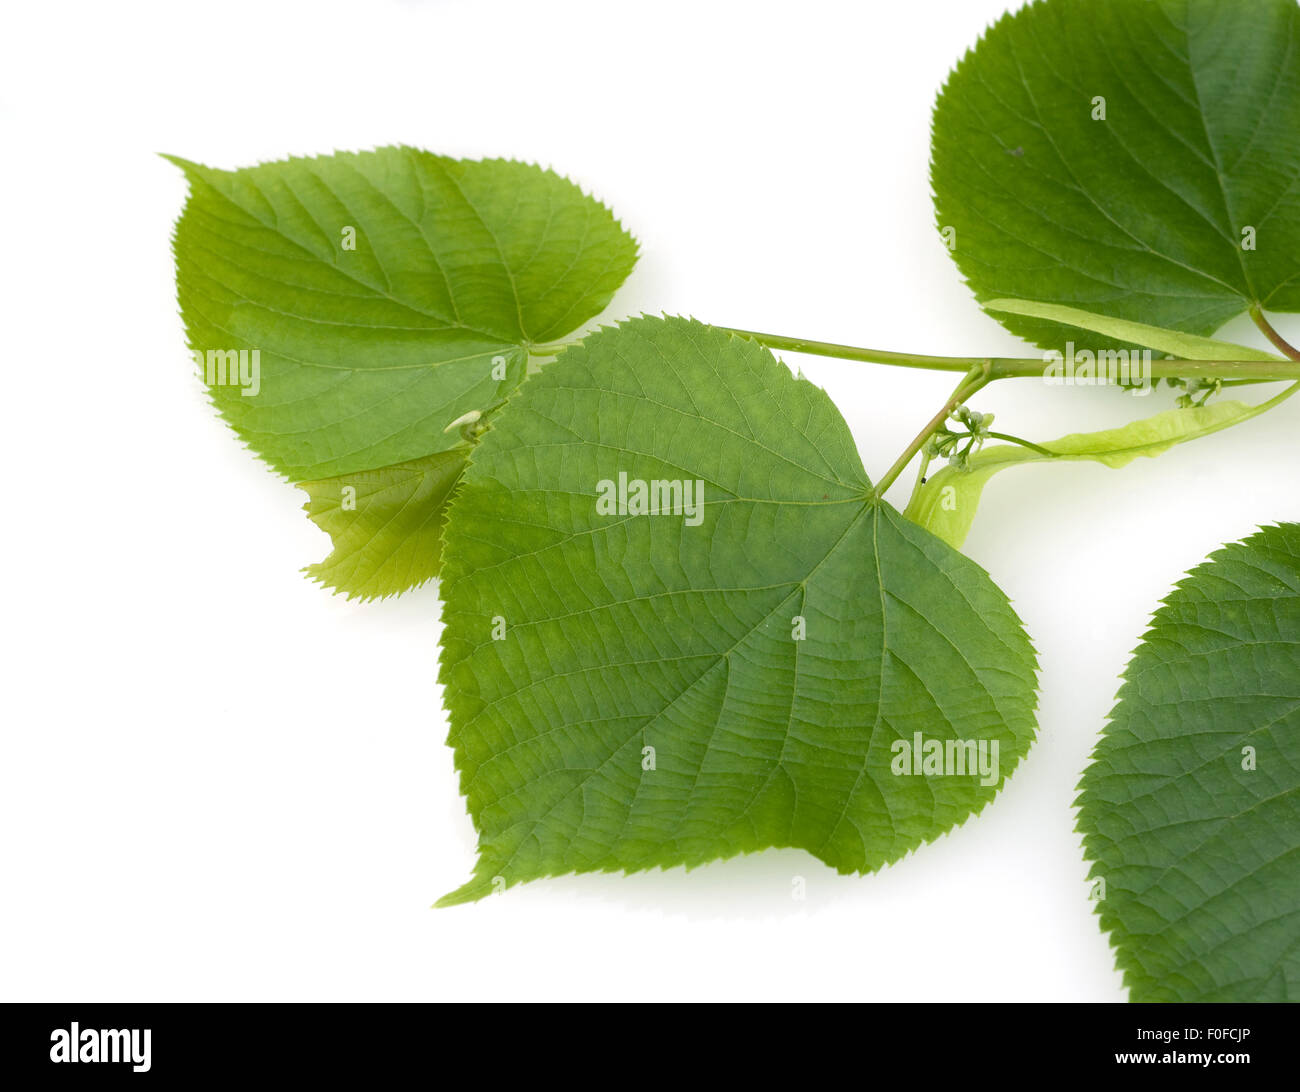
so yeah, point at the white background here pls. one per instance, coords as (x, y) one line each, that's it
(219, 782)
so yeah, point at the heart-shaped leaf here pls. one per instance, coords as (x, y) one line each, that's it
(1136, 158)
(1190, 810)
(680, 626)
(345, 309)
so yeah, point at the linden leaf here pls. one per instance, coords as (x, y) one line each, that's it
(386, 524)
(1190, 809)
(680, 626)
(1134, 158)
(947, 502)
(347, 308)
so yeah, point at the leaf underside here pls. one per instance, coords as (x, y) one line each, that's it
(1142, 215)
(1200, 854)
(623, 632)
(387, 293)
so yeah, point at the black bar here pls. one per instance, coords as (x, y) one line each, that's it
(370, 1042)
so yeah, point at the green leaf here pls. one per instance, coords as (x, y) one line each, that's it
(367, 354)
(386, 524)
(946, 504)
(1172, 342)
(1142, 215)
(1190, 809)
(577, 637)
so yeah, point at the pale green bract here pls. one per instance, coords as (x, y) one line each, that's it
(947, 502)
(629, 691)
(1133, 159)
(1123, 331)
(1190, 810)
(386, 294)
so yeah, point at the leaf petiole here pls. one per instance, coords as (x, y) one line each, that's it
(1284, 346)
(975, 380)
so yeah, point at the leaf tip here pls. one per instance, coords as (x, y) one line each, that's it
(189, 167)
(477, 887)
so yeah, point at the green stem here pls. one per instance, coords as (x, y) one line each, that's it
(1275, 401)
(870, 356)
(1259, 371)
(1286, 348)
(921, 468)
(1023, 443)
(976, 378)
